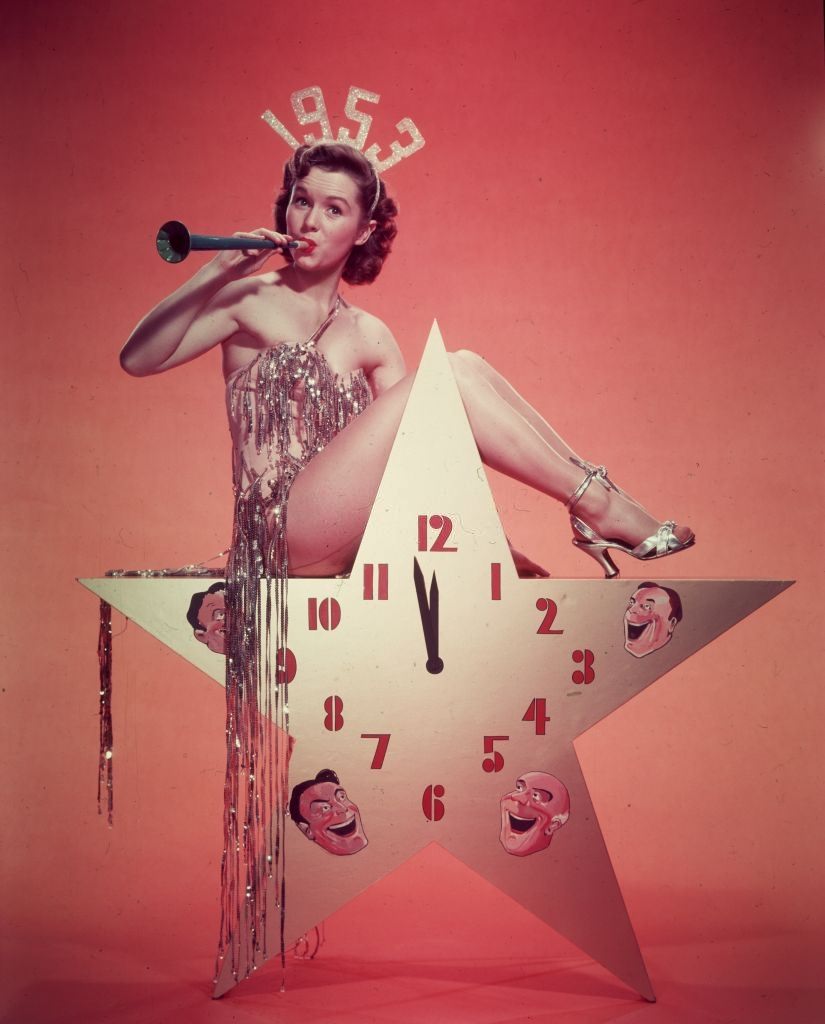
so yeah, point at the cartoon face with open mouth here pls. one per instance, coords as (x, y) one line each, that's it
(207, 616)
(653, 613)
(325, 814)
(532, 814)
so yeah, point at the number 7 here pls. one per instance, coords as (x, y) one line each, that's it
(381, 749)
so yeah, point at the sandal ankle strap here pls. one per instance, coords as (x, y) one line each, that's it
(592, 473)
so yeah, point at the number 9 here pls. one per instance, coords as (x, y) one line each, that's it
(316, 116)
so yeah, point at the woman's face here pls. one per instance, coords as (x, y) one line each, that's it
(325, 209)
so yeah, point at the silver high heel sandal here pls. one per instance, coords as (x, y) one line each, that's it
(662, 542)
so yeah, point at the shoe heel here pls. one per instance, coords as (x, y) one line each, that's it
(601, 555)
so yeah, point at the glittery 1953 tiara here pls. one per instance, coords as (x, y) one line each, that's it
(318, 115)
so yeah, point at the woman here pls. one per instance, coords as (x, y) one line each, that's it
(289, 441)
(315, 391)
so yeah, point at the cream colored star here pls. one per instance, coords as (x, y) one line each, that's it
(479, 756)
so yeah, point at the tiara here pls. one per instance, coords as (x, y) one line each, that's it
(318, 115)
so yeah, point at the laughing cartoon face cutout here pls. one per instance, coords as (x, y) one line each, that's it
(325, 814)
(653, 613)
(207, 617)
(532, 813)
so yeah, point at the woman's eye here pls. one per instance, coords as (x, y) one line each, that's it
(335, 209)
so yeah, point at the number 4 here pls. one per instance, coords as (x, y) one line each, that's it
(537, 712)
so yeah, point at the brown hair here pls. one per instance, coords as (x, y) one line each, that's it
(365, 261)
(193, 615)
(324, 775)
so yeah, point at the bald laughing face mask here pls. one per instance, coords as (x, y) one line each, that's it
(532, 813)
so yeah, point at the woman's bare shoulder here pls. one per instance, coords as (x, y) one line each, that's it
(261, 306)
(379, 349)
(370, 328)
(268, 287)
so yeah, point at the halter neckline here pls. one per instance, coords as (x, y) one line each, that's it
(297, 346)
(333, 313)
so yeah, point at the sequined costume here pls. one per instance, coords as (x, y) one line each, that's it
(284, 407)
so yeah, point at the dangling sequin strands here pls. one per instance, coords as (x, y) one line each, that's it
(105, 767)
(284, 407)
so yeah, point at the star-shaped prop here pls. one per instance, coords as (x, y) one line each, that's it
(436, 696)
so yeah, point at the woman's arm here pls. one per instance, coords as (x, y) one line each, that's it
(197, 316)
(387, 364)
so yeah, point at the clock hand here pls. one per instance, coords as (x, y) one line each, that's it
(434, 610)
(429, 617)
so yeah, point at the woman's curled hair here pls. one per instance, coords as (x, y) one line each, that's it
(365, 261)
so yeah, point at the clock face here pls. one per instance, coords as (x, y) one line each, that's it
(435, 697)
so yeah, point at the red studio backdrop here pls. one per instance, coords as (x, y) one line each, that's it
(620, 205)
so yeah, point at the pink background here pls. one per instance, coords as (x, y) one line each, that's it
(621, 206)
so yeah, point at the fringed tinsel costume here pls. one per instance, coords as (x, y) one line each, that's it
(284, 407)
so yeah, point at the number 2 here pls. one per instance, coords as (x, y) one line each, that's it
(551, 610)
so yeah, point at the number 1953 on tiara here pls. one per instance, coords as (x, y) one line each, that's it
(317, 114)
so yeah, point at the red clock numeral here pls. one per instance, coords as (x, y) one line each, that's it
(334, 718)
(380, 749)
(550, 609)
(431, 803)
(586, 674)
(495, 581)
(383, 581)
(328, 613)
(496, 762)
(286, 665)
(443, 524)
(537, 712)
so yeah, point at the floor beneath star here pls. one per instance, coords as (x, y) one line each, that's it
(406, 952)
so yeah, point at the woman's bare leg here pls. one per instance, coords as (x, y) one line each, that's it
(503, 386)
(534, 418)
(513, 439)
(331, 499)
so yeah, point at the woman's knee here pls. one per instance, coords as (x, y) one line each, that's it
(468, 366)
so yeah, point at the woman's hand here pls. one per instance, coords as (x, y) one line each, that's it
(526, 567)
(239, 263)
(200, 314)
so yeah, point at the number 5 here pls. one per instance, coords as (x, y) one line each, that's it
(496, 762)
(352, 112)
